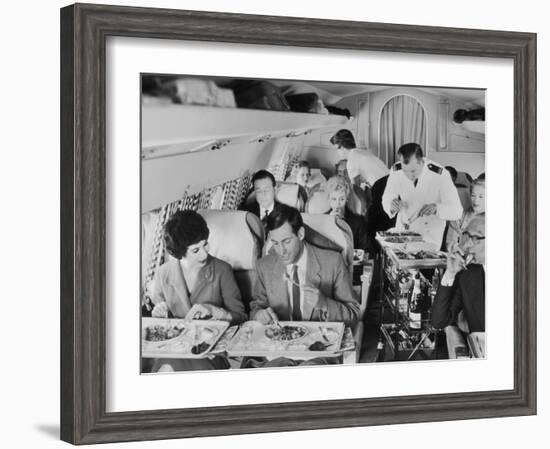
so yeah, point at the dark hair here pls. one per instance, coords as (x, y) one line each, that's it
(183, 229)
(343, 138)
(407, 150)
(481, 177)
(263, 174)
(282, 214)
(303, 163)
(452, 172)
(460, 115)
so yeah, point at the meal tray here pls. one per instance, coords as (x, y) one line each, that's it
(402, 253)
(258, 340)
(189, 334)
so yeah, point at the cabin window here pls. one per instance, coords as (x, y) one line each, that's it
(402, 120)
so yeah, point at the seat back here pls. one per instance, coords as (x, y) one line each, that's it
(330, 232)
(236, 237)
(318, 203)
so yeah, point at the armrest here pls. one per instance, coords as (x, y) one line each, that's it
(351, 357)
(456, 343)
(366, 280)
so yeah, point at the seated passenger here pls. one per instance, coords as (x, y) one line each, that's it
(338, 190)
(456, 227)
(263, 183)
(341, 168)
(462, 286)
(301, 175)
(299, 282)
(194, 284)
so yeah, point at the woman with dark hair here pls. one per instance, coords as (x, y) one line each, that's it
(193, 284)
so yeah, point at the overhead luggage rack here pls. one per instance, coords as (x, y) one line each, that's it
(176, 129)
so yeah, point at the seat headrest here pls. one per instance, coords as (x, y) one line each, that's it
(332, 229)
(287, 193)
(318, 203)
(236, 237)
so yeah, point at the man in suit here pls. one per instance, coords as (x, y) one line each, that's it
(300, 282)
(264, 184)
(462, 286)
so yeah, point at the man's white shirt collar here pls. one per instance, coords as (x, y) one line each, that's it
(269, 210)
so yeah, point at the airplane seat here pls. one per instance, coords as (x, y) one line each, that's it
(236, 237)
(336, 230)
(463, 185)
(330, 232)
(465, 198)
(318, 203)
(286, 193)
(317, 178)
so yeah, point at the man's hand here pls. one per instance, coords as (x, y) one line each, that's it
(266, 316)
(310, 296)
(160, 310)
(455, 263)
(428, 209)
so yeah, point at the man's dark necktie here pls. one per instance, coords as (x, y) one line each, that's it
(264, 218)
(296, 312)
(415, 182)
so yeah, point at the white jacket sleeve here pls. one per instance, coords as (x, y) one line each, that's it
(390, 193)
(449, 207)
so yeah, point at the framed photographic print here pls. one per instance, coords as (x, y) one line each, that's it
(247, 192)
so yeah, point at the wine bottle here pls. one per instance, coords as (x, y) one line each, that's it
(416, 302)
(405, 284)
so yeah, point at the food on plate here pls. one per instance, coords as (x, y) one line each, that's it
(419, 255)
(318, 346)
(200, 348)
(396, 239)
(285, 333)
(161, 332)
(399, 234)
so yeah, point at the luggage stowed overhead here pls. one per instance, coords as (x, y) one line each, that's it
(186, 148)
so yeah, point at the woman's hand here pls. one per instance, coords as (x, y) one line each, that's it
(160, 310)
(208, 312)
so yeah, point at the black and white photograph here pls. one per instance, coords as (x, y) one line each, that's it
(299, 223)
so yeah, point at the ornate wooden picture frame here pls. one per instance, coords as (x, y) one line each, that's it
(84, 30)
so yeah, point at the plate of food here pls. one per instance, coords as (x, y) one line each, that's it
(287, 339)
(179, 338)
(287, 332)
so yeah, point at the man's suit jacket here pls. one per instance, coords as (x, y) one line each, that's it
(325, 271)
(254, 208)
(468, 294)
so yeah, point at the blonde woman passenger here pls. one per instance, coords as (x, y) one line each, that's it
(338, 191)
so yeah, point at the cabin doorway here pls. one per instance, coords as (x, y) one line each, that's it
(402, 120)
